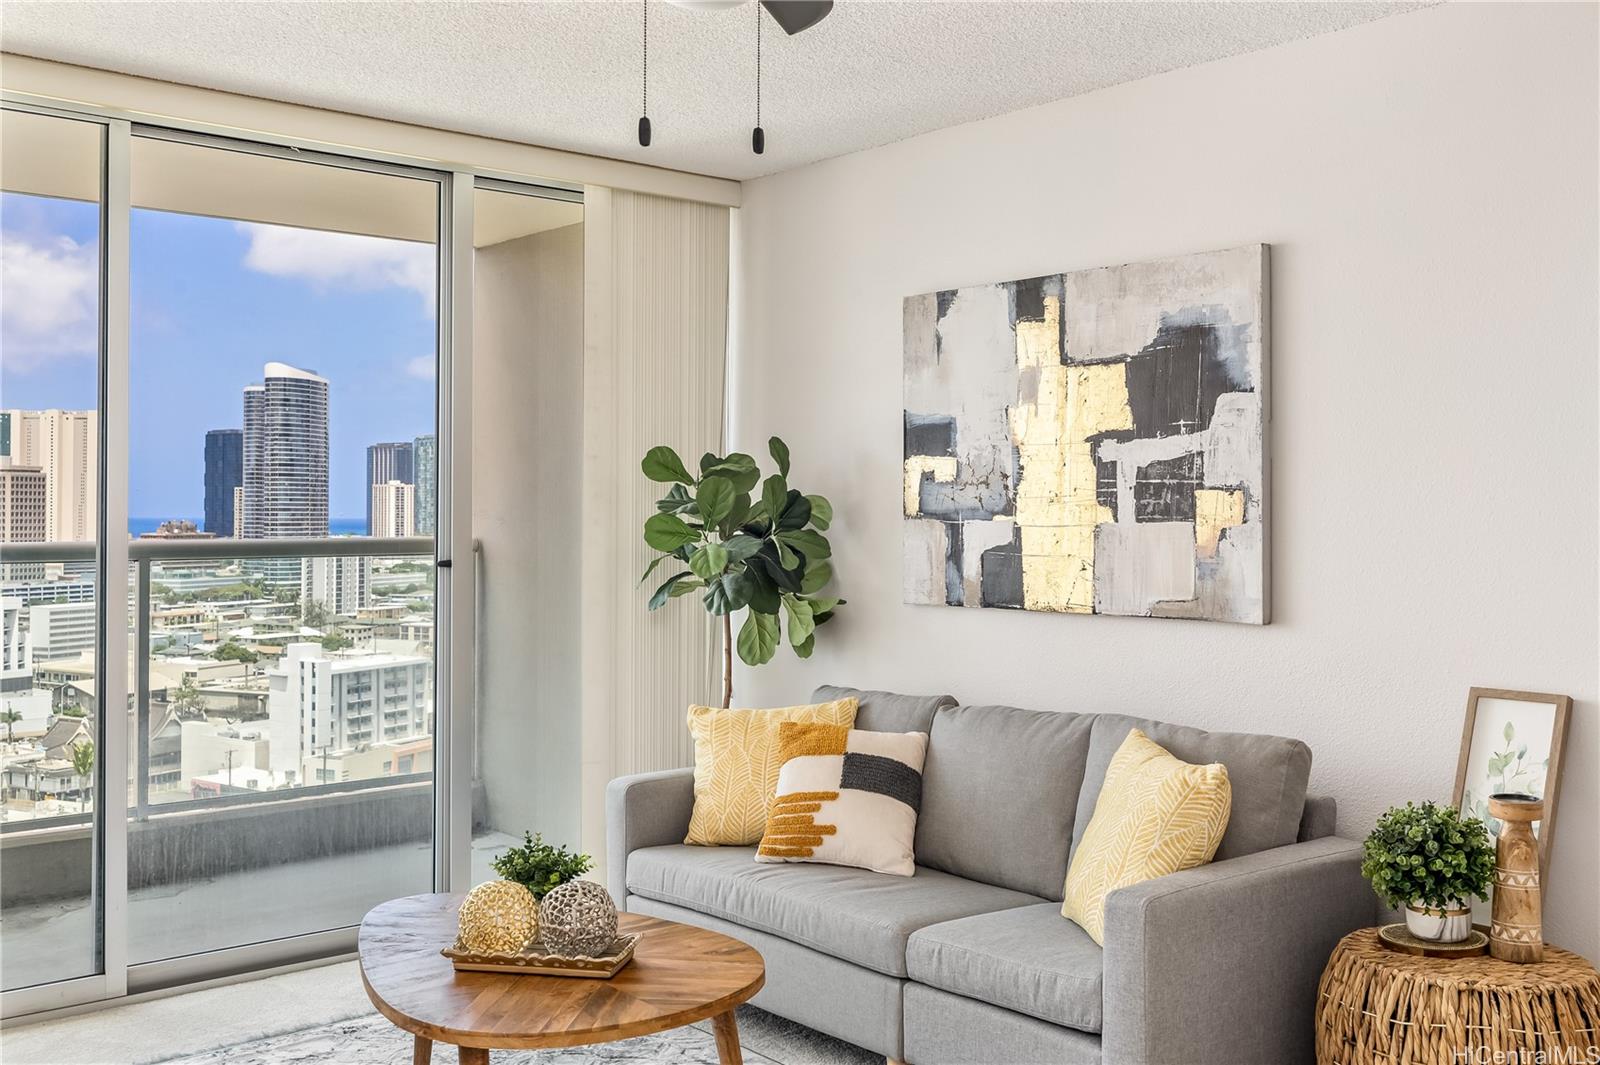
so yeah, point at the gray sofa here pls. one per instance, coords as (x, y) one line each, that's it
(970, 960)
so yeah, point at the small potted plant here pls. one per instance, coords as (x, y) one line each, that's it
(1430, 861)
(540, 867)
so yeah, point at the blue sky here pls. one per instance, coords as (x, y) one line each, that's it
(213, 300)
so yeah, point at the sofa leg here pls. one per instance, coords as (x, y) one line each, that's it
(893, 1061)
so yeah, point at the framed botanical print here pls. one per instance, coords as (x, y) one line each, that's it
(1513, 742)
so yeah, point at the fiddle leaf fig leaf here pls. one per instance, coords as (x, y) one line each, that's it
(818, 574)
(804, 648)
(796, 511)
(801, 625)
(758, 638)
(774, 497)
(821, 512)
(651, 568)
(808, 542)
(676, 499)
(668, 532)
(780, 455)
(714, 498)
(742, 547)
(727, 593)
(709, 561)
(663, 464)
(665, 592)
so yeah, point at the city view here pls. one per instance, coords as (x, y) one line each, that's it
(282, 390)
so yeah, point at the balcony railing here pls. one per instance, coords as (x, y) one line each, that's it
(143, 554)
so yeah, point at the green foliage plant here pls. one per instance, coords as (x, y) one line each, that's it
(540, 867)
(748, 544)
(1430, 855)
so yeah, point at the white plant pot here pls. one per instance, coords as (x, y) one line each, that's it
(1451, 924)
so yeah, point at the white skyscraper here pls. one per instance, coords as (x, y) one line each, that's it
(337, 585)
(286, 454)
(65, 445)
(393, 509)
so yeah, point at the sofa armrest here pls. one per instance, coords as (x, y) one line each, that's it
(1220, 964)
(646, 810)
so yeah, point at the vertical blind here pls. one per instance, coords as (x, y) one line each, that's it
(656, 328)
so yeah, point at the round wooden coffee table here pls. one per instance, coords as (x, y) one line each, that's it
(679, 974)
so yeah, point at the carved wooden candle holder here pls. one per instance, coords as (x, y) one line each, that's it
(1516, 932)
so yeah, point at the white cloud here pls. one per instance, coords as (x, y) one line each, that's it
(422, 367)
(341, 260)
(49, 305)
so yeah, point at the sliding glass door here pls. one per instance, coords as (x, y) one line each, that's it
(51, 368)
(283, 359)
(238, 569)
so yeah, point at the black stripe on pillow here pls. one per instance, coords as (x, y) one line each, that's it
(885, 776)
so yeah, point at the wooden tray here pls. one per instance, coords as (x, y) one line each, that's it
(534, 960)
(1397, 938)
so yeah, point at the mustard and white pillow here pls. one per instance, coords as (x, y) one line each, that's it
(736, 766)
(846, 797)
(1155, 815)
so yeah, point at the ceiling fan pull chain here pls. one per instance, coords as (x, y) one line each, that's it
(758, 136)
(644, 117)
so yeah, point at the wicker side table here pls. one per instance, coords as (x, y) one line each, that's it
(1376, 1006)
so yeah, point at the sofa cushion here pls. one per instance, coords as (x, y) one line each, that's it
(887, 711)
(999, 790)
(1029, 959)
(854, 914)
(1268, 776)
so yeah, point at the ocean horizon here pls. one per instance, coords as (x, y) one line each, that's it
(336, 526)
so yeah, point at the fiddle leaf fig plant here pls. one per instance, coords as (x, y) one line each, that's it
(746, 543)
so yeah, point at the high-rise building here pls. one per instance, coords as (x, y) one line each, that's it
(22, 503)
(286, 454)
(393, 507)
(65, 445)
(16, 657)
(385, 463)
(224, 474)
(425, 450)
(61, 630)
(22, 516)
(321, 702)
(238, 512)
(337, 585)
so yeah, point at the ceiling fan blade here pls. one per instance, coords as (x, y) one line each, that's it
(797, 15)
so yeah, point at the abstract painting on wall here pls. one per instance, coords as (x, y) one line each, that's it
(1092, 442)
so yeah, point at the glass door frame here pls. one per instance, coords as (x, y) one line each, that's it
(455, 549)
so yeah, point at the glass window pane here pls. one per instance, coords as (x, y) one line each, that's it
(50, 173)
(283, 364)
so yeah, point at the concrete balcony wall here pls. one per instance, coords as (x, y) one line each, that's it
(40, 864)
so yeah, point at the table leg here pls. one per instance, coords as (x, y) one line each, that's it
(421, 1051)
(474, 1056)
(727, 1031)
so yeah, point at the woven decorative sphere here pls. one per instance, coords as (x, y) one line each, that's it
(578, 919)
(498, 918)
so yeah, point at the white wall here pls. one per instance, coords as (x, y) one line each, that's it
(1428, 184)
(527, 432)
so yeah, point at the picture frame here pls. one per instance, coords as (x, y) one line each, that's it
(1513, 741)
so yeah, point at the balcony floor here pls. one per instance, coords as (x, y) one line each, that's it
(53, 941)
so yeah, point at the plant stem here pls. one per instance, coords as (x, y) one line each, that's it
(727, 661)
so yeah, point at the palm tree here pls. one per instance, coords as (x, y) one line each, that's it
(83, 764)
(10, 717)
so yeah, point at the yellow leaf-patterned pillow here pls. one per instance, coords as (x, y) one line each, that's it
(1155, 815)
(736, 766)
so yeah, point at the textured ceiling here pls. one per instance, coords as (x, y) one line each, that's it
(566, 75)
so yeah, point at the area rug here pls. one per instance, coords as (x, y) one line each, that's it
(372, 1040)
